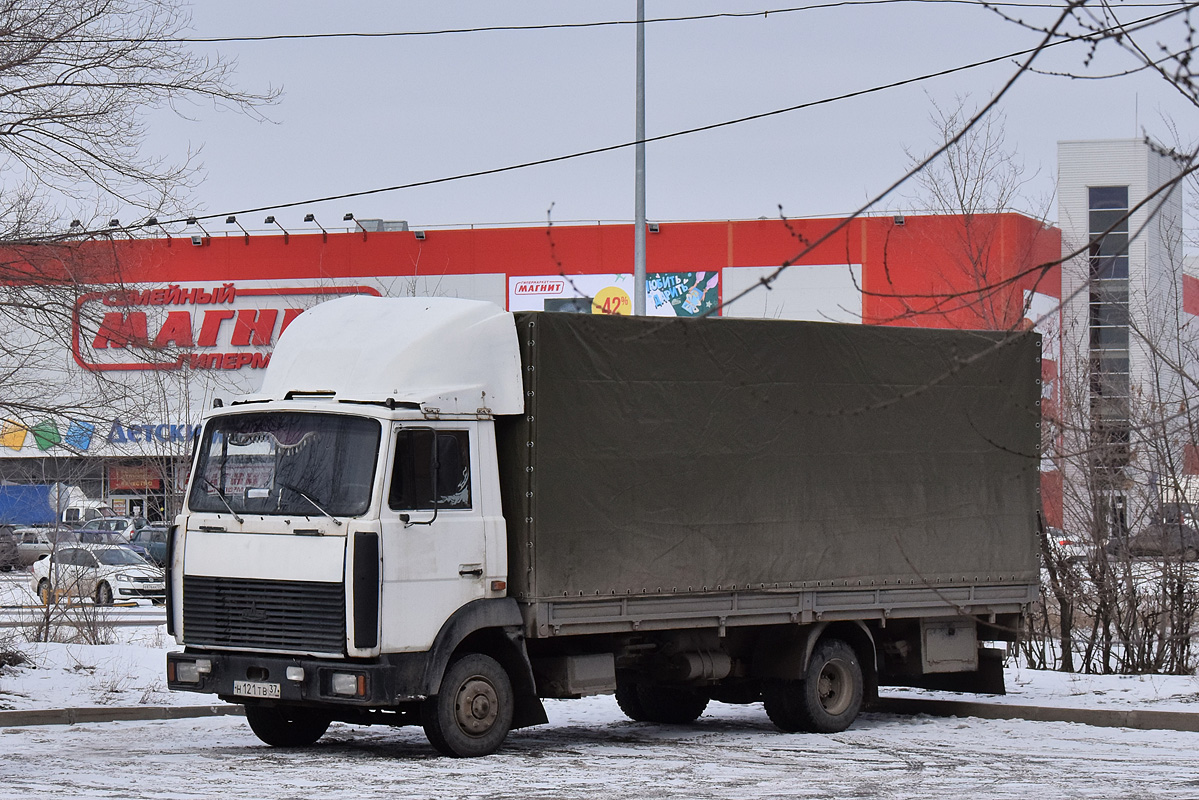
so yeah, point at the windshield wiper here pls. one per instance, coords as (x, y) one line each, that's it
(224, 500)
(315, 504)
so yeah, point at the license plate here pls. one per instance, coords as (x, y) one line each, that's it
(256, 689)
(154, 587)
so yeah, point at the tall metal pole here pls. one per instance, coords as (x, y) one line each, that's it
(639, 203)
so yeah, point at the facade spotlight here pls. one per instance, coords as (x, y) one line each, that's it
(349, 217)
(198, 240)
(114, 224)
(270, 220)
(152, 222)
(420, 235)
(312, 218)
(232, 220)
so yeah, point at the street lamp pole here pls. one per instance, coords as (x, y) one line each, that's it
(639, 202)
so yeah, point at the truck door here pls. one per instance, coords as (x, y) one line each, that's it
(432, 533)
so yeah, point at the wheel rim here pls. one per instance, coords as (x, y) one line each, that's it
(477, 706)
(104, 595)
(834, 687)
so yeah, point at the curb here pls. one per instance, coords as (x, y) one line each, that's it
(74, 716)
(1139, 719)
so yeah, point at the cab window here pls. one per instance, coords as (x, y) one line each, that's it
(424, 457)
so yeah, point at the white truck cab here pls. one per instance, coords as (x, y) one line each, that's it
(362, 476)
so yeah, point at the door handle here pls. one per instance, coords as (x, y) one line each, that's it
(470, 570)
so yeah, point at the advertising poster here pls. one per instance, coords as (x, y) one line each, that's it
(667, 294)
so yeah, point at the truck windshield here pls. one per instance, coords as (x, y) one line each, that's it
(286, 463)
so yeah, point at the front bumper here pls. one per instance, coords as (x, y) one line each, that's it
(386, 682)
(156, 594)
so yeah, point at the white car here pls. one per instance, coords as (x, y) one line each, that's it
(105, 573)
(1068, 548)
(125, 526)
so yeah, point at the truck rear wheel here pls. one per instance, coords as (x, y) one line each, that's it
(668, 705)
(281, 726)
(472, 714)
(826, 700)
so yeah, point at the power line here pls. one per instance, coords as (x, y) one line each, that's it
(624, 145)
(764, 13)
(1033, 53)
(592, 151)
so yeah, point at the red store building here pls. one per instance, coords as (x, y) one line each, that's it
(161, 327)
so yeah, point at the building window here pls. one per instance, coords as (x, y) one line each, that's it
(1109, 327)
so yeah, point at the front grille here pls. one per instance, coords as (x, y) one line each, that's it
(302, 616)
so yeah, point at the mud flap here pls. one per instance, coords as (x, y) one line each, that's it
(988, 679)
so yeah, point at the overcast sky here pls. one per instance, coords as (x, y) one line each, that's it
(358, 114)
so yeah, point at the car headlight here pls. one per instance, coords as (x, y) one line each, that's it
(123, 578)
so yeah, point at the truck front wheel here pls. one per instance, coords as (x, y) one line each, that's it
(826, 700)
(472, 714)
(286, 727)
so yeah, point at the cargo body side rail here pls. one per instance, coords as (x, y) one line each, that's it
(573, 616)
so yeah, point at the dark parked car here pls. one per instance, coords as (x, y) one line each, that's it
(9, 556)
(153, 539)
(1166, 540)
(113, 530)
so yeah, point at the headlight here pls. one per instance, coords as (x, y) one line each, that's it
(190, 671)
(123, 578)
(348, 684)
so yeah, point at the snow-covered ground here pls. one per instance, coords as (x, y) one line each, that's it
(589, 750)
(133, 673)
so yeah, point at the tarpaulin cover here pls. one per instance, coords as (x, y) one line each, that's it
(674, 455)
(25, 505)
